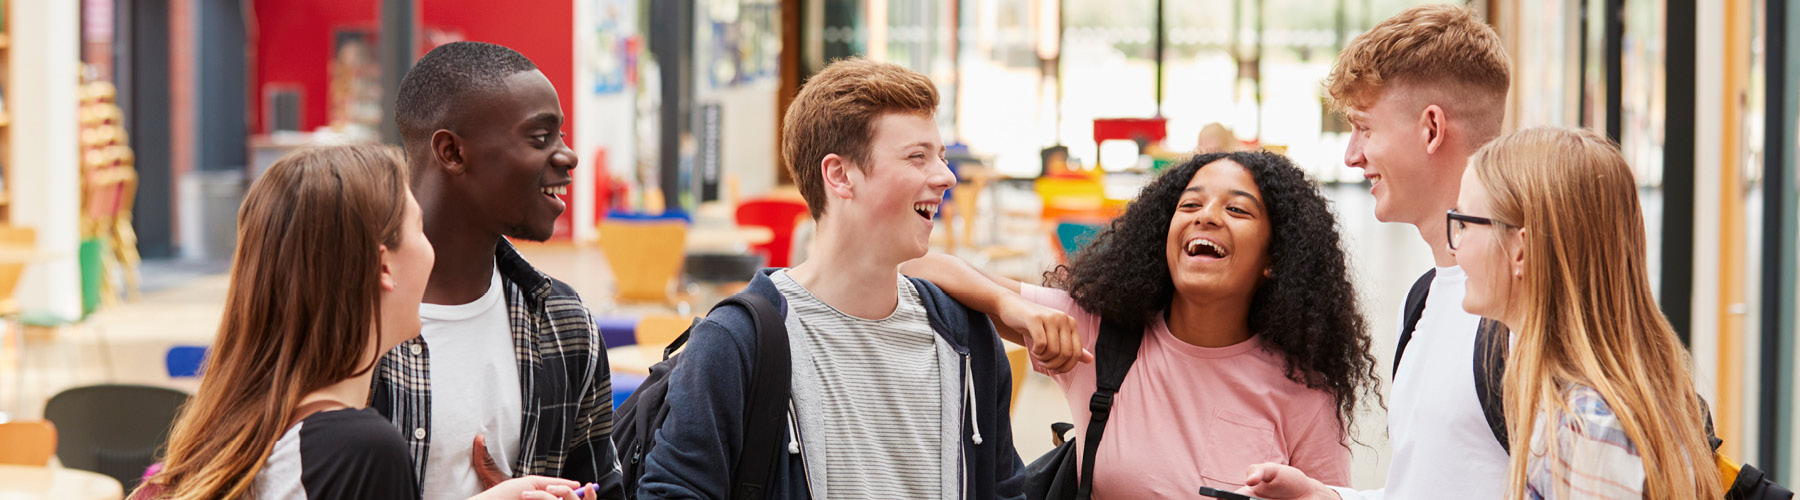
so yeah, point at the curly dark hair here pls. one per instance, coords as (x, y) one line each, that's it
(1307, 311)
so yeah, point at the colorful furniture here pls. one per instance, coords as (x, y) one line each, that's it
(184, 361)
(29, 442)
(645, 256)
(113, 429)
(780, 216)
(1020, 361)
(1071, 237)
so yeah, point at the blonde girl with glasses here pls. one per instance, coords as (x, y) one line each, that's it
(1600, 402)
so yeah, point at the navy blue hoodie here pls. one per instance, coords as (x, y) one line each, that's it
(696, 447)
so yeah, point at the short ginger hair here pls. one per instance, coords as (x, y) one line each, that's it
(1445, 50)
(835, 113)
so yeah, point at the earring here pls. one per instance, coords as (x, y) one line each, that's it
(1268, 272)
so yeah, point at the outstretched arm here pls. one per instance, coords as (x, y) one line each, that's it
(1050, 334)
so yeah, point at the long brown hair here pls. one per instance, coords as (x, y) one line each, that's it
(301, 312)
(1588, 316)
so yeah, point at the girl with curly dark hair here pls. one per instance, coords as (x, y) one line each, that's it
(1254, 349)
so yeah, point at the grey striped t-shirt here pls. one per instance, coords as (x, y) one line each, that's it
(881, 393)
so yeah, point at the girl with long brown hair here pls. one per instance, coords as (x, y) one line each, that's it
(330, 267)
(1600, 402)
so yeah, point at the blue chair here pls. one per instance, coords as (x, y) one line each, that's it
(623, 385)
(1072, 236)
(617, 331)
(668, 214)
(184, 360)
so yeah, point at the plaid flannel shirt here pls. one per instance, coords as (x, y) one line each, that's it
(1594, 458)
(565, 383)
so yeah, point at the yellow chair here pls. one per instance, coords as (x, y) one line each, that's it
(655, 332)
(30, 442)
(645, 256)
(1020, 359)
(1074, 197)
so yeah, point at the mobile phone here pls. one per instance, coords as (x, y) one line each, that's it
(1225, 495)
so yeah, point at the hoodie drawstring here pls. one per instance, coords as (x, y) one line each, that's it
(793, 435)
(969, 391)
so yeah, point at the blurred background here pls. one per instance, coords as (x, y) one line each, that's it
(130, 130)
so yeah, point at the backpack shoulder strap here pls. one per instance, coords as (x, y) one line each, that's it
(1492, 341)
(1117, 349)
(765, 413)
(1415, 307)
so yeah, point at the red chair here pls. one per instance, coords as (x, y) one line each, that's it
(780, 216)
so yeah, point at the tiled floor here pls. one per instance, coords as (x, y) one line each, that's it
(185, 309)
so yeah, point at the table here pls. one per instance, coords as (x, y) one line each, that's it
(17, 255)
(19, 482)
(634, 359)
(726, 238)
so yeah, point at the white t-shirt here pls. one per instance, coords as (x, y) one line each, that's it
(1442, 445)
(474, 389)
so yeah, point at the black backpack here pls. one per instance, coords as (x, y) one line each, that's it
(1055, 476)
(1492, 340)
(765, 405)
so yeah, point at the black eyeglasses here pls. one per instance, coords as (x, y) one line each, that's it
(1455, 223)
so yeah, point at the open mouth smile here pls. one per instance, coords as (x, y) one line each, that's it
(1202, 247)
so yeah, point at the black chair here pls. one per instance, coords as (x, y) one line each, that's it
(114, 430)
(717, 275)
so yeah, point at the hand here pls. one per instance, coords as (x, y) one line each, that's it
(1055, 344)
(486, 470)
(537, 488)
(1281, 482)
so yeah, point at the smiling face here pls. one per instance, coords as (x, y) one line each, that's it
(1486, 254)
(1218, 242)
(892, 204)
(516, 163)
(1388, 141)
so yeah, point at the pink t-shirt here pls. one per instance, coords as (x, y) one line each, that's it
(1190, 416)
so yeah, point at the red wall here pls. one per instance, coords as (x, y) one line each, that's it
(293, 49)
(294, 42)
(543, 30)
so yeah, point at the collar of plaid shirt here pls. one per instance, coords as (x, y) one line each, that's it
(564, 380)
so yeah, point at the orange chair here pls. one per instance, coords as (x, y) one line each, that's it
(781, 216)
(30, 442)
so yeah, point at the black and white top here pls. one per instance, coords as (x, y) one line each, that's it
(348, 454)
(880, 394)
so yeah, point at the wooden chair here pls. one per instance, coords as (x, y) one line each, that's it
(655, 332)
(1020, 359)
(29, 442)
(645, 256)
(21, 238)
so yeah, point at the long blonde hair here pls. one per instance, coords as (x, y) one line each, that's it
(1588, 316)
(302, 308)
